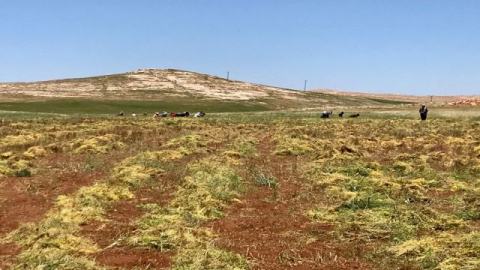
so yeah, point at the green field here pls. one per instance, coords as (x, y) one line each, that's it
(238, 111)
(81, 106)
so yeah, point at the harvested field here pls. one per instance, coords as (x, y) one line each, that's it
(239, 192)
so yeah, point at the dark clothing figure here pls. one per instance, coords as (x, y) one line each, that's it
(423, 112)
(326, 114)
(182, 114)
(341, 114)
(121, 113)
(355, 115)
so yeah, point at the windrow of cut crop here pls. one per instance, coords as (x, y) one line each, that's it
(210, 186)
(55, 242)
(396, 186)
(20, 152)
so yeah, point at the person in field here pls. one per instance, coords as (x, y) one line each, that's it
(326, 114)
(199, 114)
(182, 114)
(341, 114)
(423, 112)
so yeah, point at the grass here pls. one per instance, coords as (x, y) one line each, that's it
(392, 102)
(113, 107)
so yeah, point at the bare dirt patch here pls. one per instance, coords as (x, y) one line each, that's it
(119, 258)
(28, 199)
(108, 235)
(7, 252)
(119, 225)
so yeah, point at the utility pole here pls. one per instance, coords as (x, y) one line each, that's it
(431, 99)
(305, 86)
(228, 75)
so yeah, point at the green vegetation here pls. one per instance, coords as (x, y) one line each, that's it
(392, 102)
(113, 107)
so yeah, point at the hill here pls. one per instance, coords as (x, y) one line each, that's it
(439, 100)
(167, 88)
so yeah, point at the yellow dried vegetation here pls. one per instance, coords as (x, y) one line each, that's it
(55, 242)
(391, 183)
(411, 189)
(21, 140)
(209, 187)
(97, 144)
(13, 165)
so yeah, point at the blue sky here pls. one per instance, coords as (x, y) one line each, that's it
(425, 47)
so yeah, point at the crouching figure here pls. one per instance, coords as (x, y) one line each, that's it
(326, 114)
(199, 114)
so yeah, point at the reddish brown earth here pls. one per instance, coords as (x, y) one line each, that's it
(120, 219)
(272, 231)
(269, 229)
(7, 253)
(119, 225)
(27, 199)
(120, 258)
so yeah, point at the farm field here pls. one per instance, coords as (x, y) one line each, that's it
(241, 191)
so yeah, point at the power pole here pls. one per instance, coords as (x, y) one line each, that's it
(431, 99)
(305, 86)
(228, 75)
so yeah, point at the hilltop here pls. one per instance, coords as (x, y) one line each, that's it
(147, 84)
(170, 88)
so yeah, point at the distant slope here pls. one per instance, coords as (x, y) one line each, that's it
(398, 97)
(176, 88)
(148, 83)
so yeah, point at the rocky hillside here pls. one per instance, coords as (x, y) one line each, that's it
(176, 86)
(148, 83)
(468, 102)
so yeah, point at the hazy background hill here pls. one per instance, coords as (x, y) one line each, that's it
(435, 99)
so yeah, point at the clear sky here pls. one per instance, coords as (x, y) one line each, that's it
(425, 47)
